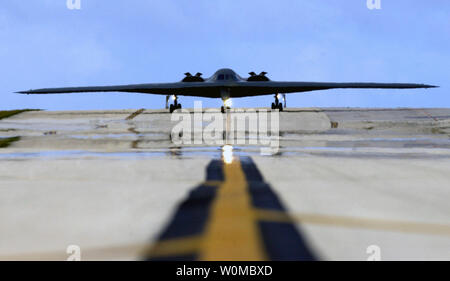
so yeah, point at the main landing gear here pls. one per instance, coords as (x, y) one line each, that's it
(175, 104)
(224, 108)
(277, 104)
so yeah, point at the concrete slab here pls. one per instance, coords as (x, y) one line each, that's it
(109, 181)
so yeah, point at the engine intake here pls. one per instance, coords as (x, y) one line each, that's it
(190, 78)
(258, 77)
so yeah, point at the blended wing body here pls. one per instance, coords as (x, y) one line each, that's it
(226, 80)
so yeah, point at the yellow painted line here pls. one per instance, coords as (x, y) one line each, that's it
(354, 222)
(275, 216)
(174, 247)
(212, 183)
(232, 232)
(116, 252)
(193, 244)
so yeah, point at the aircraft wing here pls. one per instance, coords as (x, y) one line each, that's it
(177, 88)
(239, 89)
(270, 87)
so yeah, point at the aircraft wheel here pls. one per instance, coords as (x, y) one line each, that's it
(280, 107)
(171, 108)
(273, 106)
(222, 109)
(179, 106)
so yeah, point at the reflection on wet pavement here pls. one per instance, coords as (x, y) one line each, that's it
(342, 179)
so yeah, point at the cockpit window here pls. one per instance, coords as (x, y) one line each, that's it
(226, 77)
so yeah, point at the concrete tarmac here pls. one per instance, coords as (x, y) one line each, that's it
(345, 184)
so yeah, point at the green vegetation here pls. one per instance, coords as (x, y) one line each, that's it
(9, 113)
(5, 142)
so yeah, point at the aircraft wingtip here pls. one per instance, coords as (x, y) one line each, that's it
(22, 92)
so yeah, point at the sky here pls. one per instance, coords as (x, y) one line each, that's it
(111, 42)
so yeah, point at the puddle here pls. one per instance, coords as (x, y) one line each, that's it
(214, 152)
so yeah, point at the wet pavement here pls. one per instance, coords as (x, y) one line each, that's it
(115, 184)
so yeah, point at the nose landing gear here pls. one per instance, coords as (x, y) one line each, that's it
(175, 104)
(277, 104)
(226, 105)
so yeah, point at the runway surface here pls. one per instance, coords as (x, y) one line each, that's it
(345, 184)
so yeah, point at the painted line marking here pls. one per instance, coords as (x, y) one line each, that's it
(187, 245)
(175, 247)
(376, 224)
(283, 240)
(220, 220)
(232, 232)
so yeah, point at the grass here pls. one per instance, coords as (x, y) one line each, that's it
(9, 113)
(5, 142)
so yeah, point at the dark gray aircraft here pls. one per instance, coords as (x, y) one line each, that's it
(225, 84)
